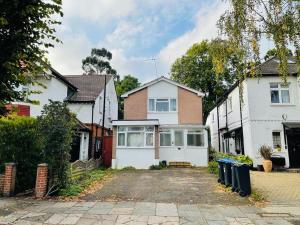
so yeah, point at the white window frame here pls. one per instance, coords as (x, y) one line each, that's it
(280, 89)
(144, 131)
(195, 132)
(166, 131)
(276, 131)
(169, 102)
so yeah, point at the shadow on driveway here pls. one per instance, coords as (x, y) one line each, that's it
(185, 186)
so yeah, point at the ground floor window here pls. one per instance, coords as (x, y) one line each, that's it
(165, 138)
(276, 139)
(195, 138)
(135, 136)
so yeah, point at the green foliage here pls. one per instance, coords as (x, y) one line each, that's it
(197, 70)
(246, 22)
(57, 125)
(273, 52)
(128, 83)
(213, 167)
(27, 31)
(160, 166)
(20, 143)
(98, 62)
(128, 168)
(265, 151)
(77, 186)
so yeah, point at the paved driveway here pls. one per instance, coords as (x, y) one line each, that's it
(184, 186)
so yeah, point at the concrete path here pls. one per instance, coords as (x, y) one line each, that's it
(278, 187)
(142, 213)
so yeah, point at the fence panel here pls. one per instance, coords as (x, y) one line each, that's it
(80, 168)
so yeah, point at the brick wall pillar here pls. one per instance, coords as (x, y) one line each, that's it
(156, 143)
(41, 180)
(9, 179)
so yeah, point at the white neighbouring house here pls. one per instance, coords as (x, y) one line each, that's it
(162, 122)
(267, 114)
(84, 95)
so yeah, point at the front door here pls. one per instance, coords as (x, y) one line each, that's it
(293, 139)
(178, 145)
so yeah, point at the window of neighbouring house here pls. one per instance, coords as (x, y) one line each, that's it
(276, 139)
(195, 138)
(165, 138)
(135, 136)
(229, 102)
(162, 105)
(178, 136)
(280, 93)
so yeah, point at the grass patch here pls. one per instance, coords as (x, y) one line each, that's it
(256, 197)
(80, 184)
(128, 168)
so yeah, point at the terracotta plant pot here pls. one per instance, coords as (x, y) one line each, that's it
(267, 164)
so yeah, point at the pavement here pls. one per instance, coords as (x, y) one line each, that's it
(278, 187)
(178, 185)
(26, 212)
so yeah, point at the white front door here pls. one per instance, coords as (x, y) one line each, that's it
(178, 146)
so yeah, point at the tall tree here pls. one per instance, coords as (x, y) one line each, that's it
(128, 83)
(98, 62)
(273, 52)
(247, 21)
(26, 32)
(196, 70)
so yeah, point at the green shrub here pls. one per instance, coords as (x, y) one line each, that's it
(57, 124)
(128, 168)
(213, 167)
(22, 144)
(155, 167)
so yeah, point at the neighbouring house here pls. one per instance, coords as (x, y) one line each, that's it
(84, 95)
(162, 122)
(265, 111)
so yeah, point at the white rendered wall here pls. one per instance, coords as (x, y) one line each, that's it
(83, 111)
(55, 90)
(163, 89)
(140, 158)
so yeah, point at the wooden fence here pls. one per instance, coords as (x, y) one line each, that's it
(80, 168)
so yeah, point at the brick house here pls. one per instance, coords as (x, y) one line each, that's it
(162, 122)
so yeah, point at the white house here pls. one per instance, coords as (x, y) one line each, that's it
(265, 111)
(84, 95)
(162, 122)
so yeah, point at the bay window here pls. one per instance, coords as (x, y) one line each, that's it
(135, 136)
(162, 105)
(280, 93)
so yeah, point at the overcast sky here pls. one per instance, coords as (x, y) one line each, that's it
(134, 31)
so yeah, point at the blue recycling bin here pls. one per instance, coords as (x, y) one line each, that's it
(228, 171)
(234, 177)
(243, 179)
(221, 171)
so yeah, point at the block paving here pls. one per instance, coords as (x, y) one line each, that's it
(25, 212)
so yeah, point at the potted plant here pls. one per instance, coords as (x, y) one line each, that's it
(266, 152)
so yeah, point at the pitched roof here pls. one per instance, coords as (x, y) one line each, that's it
(270, 67)
(62, 78)
(89, 86)
(162, 78)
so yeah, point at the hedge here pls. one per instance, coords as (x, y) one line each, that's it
(20, 143)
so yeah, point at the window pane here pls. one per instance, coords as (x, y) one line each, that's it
(285, 96)
(162, 105)
(195, 140)
(178, 138)
(151, 105)
(273, 85)
(165, 139)
(149, 129)
(121, 139)
(284, 85)
(149, 139)
(173, 104)
(121, 128)
(274, 96)
(276, 140)
(135, 128)
(135, 139)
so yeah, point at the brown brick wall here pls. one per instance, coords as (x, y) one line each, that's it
(41, 180)
(135, 105)
(9, 179)
(156, 143)
(189, 107)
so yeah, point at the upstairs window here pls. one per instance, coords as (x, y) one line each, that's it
(162, 105)
(280, 93)
(229, 103)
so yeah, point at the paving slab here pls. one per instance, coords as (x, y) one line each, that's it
(165, 209)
